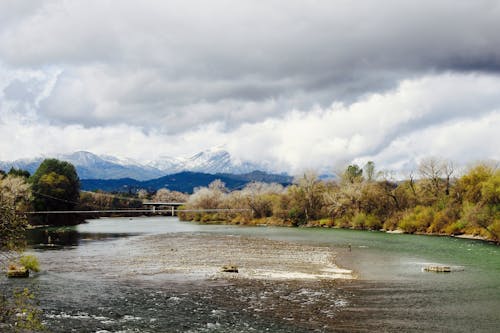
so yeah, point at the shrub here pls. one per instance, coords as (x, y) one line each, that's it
(342, 222)
(326, 222)
(417, 219)
(494, 229)
(366, 221)
(30, 262)
(297, 216)
(456, 228)
(391, 223)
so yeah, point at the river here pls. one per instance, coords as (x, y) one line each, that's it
(156, 274)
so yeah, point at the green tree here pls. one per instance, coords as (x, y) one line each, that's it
(353, 174)
(19, 172)
(55, 185)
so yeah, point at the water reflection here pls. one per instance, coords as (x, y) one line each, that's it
(64, 237)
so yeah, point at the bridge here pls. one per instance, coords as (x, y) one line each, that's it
(152, 207)
(158, 205)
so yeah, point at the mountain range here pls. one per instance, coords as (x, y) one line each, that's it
(183, 182)
(92, 166)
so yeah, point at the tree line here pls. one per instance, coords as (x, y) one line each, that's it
(431, 201)
(434, 199)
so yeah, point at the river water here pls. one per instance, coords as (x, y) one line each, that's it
(118, 275)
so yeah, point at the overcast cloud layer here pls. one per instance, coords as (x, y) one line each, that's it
(295, 84)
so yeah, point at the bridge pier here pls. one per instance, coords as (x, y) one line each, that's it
(163, 207)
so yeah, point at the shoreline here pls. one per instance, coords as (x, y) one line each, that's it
(258, 223)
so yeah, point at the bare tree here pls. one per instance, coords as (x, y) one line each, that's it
(165, 195)
(449, 168)
(15, 191)
(258, 197)
(438, 172)
(310, 188)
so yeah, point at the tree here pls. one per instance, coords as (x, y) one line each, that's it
(436, 176)
(307, 195)
(369, 170)
(259, 197)
(19, 172)
(210, 197)
(142, 194)
(353, 174)
(15, 191)
(165, 195)
(12, 227)
(55, 185)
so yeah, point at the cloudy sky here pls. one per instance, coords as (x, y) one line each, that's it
(296, 84)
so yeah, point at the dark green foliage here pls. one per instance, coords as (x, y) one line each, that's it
(297, 216)
(19, 172)
(55, 185)
(353, 173)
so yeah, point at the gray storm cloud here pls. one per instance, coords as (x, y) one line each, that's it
(176, 69)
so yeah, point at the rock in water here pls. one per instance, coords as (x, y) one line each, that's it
(439, 269)
(18, 272)
(229, 269)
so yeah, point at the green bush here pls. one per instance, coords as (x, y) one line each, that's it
(325, 222)
(417, 220)
(456, 228)
(342, 222)
(366, 221)
(297, 216)
(30, 262)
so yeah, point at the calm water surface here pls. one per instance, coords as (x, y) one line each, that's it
(391, 294)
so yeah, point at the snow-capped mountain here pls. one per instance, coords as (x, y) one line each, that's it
(92, 166)
(89, 166)
(167, 164)
(215, 160)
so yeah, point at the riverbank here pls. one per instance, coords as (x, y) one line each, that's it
(326, 223)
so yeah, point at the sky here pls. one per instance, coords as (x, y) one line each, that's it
(293, 84)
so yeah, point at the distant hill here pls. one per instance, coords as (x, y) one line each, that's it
(182, 181)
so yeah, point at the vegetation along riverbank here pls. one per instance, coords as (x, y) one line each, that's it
(432, 202)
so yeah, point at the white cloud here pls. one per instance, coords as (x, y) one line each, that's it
(282, 82)
(446, 115)
(451, 115)
(195, 61)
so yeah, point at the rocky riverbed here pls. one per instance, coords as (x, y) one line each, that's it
(185, 256)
